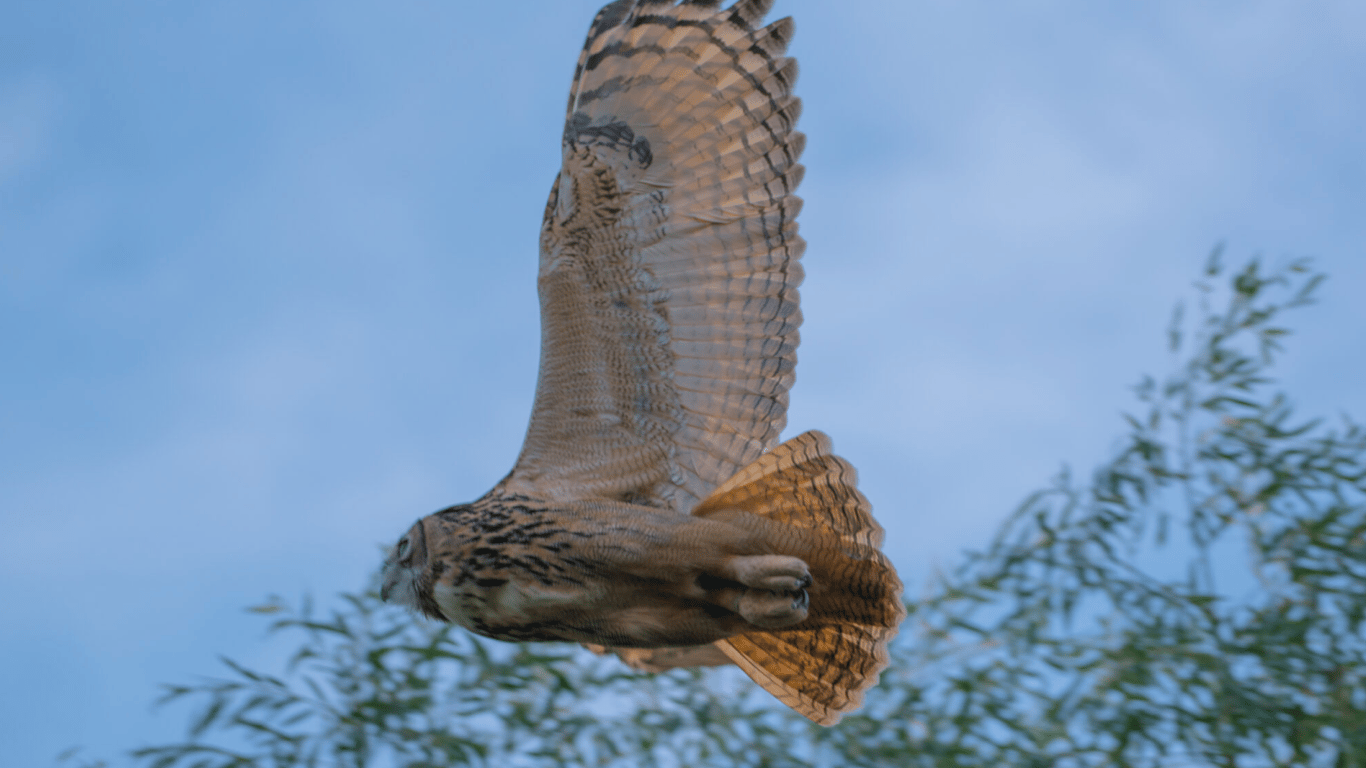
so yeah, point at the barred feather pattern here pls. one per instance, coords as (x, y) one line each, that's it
(822, 666)
(669, 258)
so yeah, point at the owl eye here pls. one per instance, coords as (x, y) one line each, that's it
(402, 550)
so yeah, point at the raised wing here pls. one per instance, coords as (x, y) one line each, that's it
(669, 258)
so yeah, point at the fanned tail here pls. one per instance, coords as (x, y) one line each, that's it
(822, 666)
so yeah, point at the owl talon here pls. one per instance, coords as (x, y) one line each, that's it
(772, 610)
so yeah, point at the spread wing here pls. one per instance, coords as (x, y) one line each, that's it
(669, 258)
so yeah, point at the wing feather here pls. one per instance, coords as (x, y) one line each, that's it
(669, 258)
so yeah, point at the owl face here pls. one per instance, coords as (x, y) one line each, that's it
(406, 580)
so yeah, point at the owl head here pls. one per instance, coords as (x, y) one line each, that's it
(407, 577)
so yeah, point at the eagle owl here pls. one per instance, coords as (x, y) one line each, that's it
(651, 511)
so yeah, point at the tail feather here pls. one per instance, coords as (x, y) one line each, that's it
(822, 666)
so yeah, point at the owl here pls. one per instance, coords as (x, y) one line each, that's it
(652, 511)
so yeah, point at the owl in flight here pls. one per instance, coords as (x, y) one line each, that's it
(651, 511)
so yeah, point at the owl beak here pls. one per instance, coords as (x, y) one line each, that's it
(415, 562)
(391, 578)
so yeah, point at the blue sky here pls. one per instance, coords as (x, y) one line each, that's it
(267, 280)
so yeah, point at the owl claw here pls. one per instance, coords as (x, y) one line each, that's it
(771, 610)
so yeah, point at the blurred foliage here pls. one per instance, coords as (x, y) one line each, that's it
(1199, 600)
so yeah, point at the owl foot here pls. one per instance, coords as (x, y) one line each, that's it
(768, 591)
(771, 610)
(774, 573)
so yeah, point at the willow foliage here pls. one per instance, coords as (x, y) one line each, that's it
(1197, 600)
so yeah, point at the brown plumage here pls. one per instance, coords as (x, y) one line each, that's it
(650, 511)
